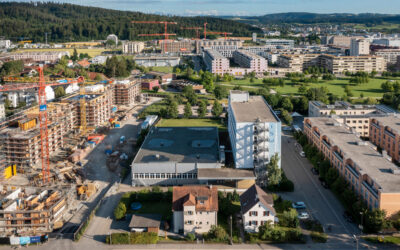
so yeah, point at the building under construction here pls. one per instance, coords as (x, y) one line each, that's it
(127, 92)
(21, 145)
(28, 211)
(184, 46)
(99, 100)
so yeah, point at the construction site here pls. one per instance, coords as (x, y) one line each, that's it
(45, 150)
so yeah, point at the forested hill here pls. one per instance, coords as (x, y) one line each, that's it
(68, 22)
(334, 18)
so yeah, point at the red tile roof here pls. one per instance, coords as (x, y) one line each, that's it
(205, 198)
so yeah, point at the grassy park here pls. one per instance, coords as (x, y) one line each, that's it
(191, 123)
(91, 52)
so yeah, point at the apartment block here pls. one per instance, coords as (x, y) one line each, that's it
(172, 46)
(254, 131)
(354, 116)
(21, 146)
(385, 133)
(279, 43)
(194, 208)
(224, 47)
(132, 47)
(359, 47)
(370, 175)
(390, 55)
(250, 61)
(340, 64)
(2, 111)
(216, 63)
(48, 56)
(127, 92)
(28, 211)
(298, 62)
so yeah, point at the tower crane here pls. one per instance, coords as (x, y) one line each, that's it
(193, 28)
(41, 85)
(165, 34)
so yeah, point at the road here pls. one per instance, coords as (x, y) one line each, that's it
(321, 203)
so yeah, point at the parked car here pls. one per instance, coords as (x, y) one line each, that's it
(302, 154)
(303, 216)
(315, 171)
(299, 205)
(323, 183)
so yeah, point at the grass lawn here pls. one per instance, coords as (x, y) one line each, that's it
(163, 208)
(385, 239)
(336, 87)
(165, 69)
(191, 123)
(91, 52)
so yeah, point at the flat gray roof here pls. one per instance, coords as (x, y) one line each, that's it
(255, 108)
(180, 145)
(364, 156)
(392, 121)
(225, 174)
(145, 220)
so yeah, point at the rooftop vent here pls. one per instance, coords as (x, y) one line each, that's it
(157, 156)
(361, 143)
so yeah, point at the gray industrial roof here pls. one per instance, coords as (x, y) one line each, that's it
(225, 174)
(255, 108)
(179, 145)
(392, 122)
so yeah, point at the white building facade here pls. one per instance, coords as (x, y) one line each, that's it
(254, 131)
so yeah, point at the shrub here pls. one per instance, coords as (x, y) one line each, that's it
(217, 233)
(319, 237)
(289, 218)
(118, 238)
(190, 237)
(143, 238)
(120, 211)
(281, 205)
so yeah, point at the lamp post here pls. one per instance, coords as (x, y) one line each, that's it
(231, 242)
(355, 237)
(361, 226)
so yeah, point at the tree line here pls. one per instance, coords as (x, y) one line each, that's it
(67, 22)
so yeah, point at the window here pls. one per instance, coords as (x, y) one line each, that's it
(202, 202)
(189, 222)
(253, 213)
(266, 213)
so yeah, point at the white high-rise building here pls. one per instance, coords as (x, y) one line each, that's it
(132, 47)
(254, 131)
(359, 47)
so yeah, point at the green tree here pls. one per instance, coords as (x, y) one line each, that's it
(202, 109)
(216, 109)
(190, 95)
(59, 92)
(220, 92)
(172, 110)
(289, 218)
(286, 104)
(274, 172)
(374, 220)
(188, 110)
(74, 56)
(120, 211)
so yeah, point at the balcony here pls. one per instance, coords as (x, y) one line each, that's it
(326, 144)
(371, 189)
(352, 170)
(338, 156)
(260, 139)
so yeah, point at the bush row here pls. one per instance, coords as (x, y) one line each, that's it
(132, 238)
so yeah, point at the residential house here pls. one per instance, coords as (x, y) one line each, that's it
(194, 208)
(256, 208)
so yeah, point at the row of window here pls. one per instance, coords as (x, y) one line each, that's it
(165, 176)
(255, 213)
(190, 222)
(191, 212)
(255, 223)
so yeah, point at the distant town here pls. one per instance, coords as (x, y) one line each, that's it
(290, 136)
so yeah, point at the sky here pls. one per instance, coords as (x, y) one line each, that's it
(243, 7)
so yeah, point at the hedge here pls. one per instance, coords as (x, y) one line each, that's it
(132, 238)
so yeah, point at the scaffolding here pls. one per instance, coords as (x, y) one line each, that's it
(260, 151)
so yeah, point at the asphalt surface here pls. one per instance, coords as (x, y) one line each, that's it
(321, 203)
